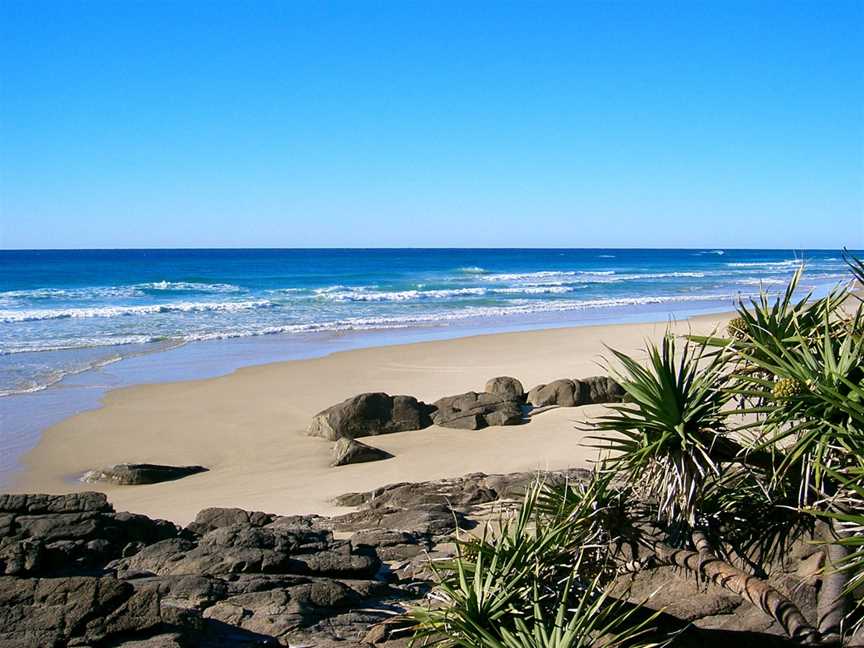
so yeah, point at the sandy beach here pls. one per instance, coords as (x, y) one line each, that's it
(248, 427)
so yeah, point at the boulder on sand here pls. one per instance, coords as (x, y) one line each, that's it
(601, 389)
(370, 414)
(473, 411)
(564, 393)
(135, 474)
(570, 393)
(349, 451)
(507, 387)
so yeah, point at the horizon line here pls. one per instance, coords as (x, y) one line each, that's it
(418, 248)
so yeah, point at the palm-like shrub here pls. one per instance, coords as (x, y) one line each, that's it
(670, 442)
(538, 582)
(667, 436)
(816, 417)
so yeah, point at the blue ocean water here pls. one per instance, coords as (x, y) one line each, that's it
(64, 312)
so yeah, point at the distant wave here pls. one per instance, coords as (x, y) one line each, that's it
(116, 292)
(548, 277)
(472, 270)
(766, 264)
(537, 290)
(546, 274)
(767, 281)
(659, 275)
(187, 286)
(73, 294)
(9, 316)
(363, 295)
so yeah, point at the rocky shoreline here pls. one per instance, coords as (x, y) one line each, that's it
(75, 572)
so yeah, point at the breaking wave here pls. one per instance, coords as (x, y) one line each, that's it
(10, 316)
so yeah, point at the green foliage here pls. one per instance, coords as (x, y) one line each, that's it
(750, 521)
(664, 435)
(534, 584)
(819, 421)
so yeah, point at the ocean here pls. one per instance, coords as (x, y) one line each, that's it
(75, 323)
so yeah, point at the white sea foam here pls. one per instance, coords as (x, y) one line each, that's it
(472, 270)
(546, 274)
(658, 275)
(364, 295)
(395, 321)
(73, 294)
(116, 292)
(766, 281)
(56, 376)
(537, 290)
(187, 286)
(402, 321)
(35, 315)
(766, 264)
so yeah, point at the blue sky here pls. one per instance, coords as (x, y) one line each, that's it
(573, 124)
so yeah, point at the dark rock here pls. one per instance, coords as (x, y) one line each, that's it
(370, 414)
(507, 387)
(571, 393)
(69, 534)
(429, 520)
(214, 518)
(473, 411)
(240, 548)
(391, 545)
(601, 389)
(80, 610)
(277, 611)
(349, 451)
(564, 393)
(47, 504)
(136, 474)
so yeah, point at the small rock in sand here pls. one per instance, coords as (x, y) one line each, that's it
(349, 451)
(135, 474)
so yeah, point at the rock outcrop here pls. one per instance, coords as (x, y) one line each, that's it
(251, 578)
(349, 451)
(370, 414)
(134, 474)
(44, 535)
(473, 411)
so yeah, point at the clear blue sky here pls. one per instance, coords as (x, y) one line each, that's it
(330, 123)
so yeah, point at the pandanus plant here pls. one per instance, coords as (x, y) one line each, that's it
(537, 581)
(814, 425)
(670, 441)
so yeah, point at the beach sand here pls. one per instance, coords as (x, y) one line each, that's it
(249, 427)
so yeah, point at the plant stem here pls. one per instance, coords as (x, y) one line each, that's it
(833, 603)
(755, 590)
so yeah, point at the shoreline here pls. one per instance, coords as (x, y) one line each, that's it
(248, 427)
(30, 413)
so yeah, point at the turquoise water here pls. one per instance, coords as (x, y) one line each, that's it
(64, 312)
